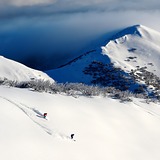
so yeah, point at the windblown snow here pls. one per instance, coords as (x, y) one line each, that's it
(103, 127)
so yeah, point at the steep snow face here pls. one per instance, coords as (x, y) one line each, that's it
(103, 127)
(133, 47)
(18, 72)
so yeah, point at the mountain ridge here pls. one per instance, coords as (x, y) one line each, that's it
(134, 49)
(15, 71)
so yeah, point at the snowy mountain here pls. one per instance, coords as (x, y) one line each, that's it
(103, 127)
(130, 60)
(133, 47)
(15, 71)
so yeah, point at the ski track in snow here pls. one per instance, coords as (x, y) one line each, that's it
(147, 111)
(37, 117)
(34, 114)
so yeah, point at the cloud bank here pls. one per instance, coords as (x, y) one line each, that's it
(45, 34)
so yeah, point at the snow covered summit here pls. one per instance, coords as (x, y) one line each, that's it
(15, 71)
(135, 46)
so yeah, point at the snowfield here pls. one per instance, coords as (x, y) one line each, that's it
(104, 128)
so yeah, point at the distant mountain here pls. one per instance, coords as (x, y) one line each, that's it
(128, 61)
(15, 71)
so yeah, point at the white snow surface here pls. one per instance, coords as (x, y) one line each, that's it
(104, 128)
(15, 71)
(139, 42)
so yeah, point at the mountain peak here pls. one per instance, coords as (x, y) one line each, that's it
(132, 30)
(137, 30)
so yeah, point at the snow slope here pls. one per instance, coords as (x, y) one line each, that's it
(73, 72)
(18, 72)
(103, 127)
(132, 47)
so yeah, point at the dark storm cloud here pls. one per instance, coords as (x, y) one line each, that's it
(46, 34)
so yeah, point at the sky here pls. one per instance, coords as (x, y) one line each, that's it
(45, 34)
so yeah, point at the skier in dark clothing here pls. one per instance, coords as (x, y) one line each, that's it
(72, 135)
(44, 115)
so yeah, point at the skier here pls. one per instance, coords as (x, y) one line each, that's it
(72, 135)
(44, 115)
